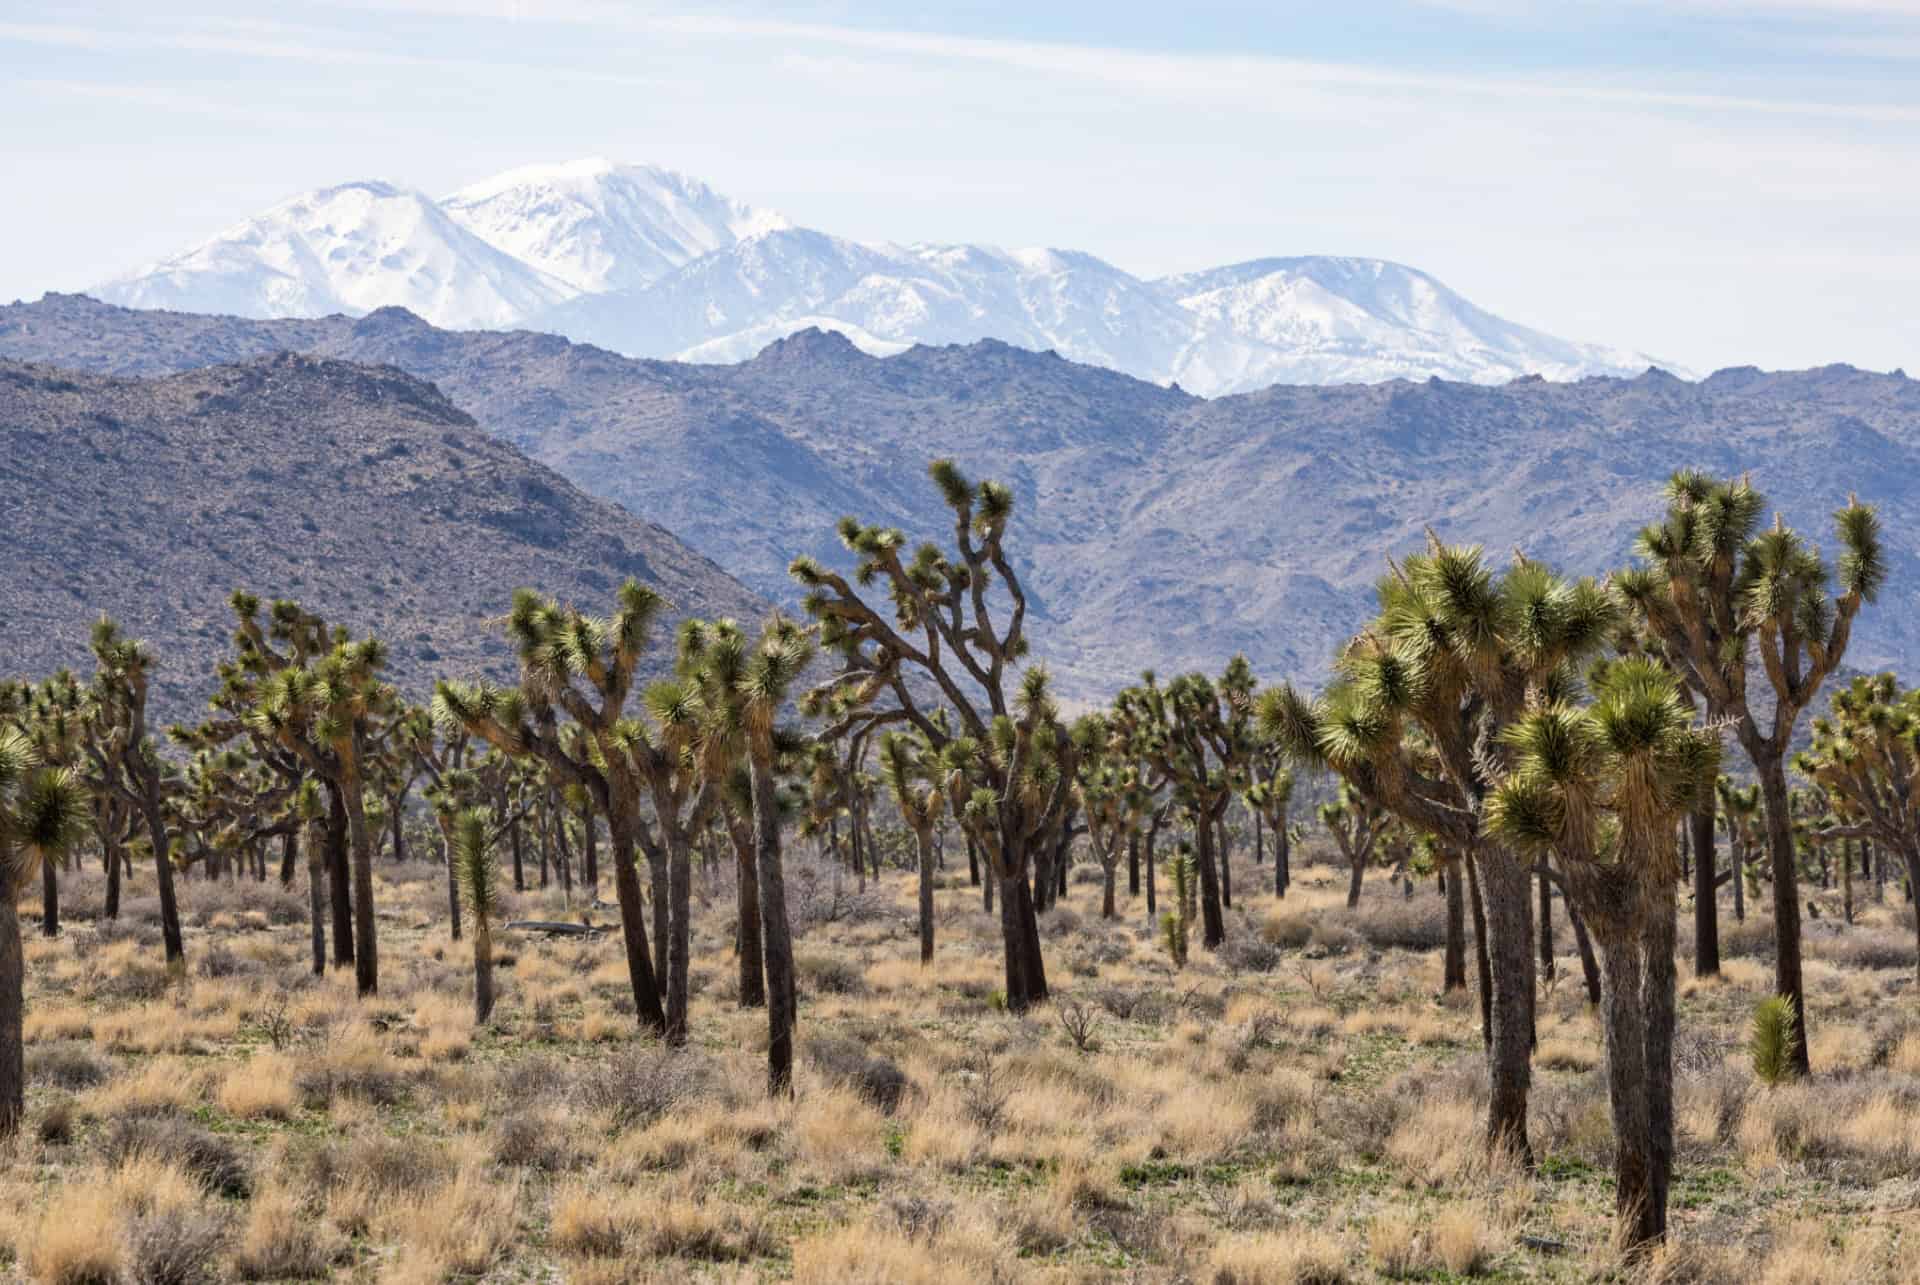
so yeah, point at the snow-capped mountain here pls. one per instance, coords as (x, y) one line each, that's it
(599, 226)
(654, 264)
(351, 248)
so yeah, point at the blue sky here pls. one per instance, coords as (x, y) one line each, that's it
(1714, 181)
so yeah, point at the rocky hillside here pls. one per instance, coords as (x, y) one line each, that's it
(1156, 528)
(361, 491)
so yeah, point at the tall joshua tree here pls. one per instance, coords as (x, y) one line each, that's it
(124, 753)
(42, 812)
(953, 634)
(1866, 757)
(335, 714)
(1414, 724)
(1714, 590)
(1112, 797)
(913, 776)
(742, 691)
(581, 667)
(1604, 787)
(1269, 797)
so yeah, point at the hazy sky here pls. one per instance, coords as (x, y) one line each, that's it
(1714, 181)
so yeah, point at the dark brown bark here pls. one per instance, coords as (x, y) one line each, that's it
(660, 887)
(753, 975)
(679, 937)
(1546, 925)
(1226, 864)
(1213, 923)
(925, 840)
(1282, 861)
(317, 902)
(1107, 908)
(453, 885)
(1454, 974)
(366, 950)
(339, 878)
(633, 928)
(1787, 979)
(1133, 864)
(1706, 893)
(289, 856)
(1589, 966)
(590, 851)
(49, 900)
(781, 997)
(116, 862)
(13, 972)
(1356, 871)
(1483, 964)
(515, 847)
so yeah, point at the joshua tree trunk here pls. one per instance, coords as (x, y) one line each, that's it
(1846, 880)
(1787, 980)
(753, 978)
(1504, 889)
(1112, 872)
(482, 971)
(660, 880)
(1356, 871)
(519, 857)
(1454, 975)
(1282, 860)
(925, 838)
(1226, 864)
(397, 816)
(163, 880)
(49, 900)
(1706, 893)
(1133, 863)
(1026, 975)
(289, 856)
(1913, 881)
(590, 854)
(973, 864)
(633, 929)
(679, 940)
(13, 971)
(339, 878)
(1213, 923)
(1739, 850)
(1153, 911)
(1589, 966)
(110, 847)
(781, 998)
(1625, 1023)
(366, 953)
(1546, 925)
(317, 902)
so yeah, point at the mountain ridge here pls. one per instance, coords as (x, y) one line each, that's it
(1155, 528)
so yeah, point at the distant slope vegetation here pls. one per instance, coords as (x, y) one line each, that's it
(1156, 529)
(363, 492)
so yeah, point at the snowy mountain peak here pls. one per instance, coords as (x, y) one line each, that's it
(348, 248)
(601, 226)
(653, 263)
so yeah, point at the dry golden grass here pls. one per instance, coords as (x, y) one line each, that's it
(1319, 1121)
(262, 1087)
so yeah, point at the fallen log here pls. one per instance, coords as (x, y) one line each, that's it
(555, 928)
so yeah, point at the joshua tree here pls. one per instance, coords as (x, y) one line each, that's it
(479, 874)
(1604, 787)
(1269, 797)
(1740, 813)
(1866, 757)
(914, 776)
(125, 755)
(581, 667)
(1112, 797)
(1357, 824)
(1716, 589)
(945, 632)
(740, 690)
(1451, 662)
(1196, 735)
(42, 812)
